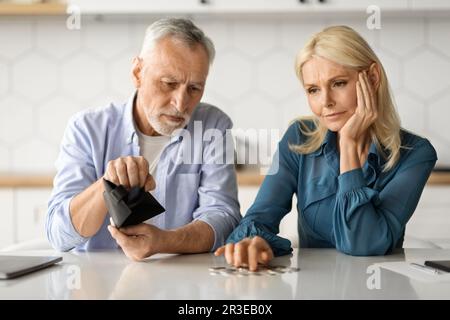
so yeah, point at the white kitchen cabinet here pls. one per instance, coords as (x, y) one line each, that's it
(31, 209)
(134, 6)
(7, 216)
(159, 7)
(429, 4)
(358, 5)
(23, 214)
(431, 220)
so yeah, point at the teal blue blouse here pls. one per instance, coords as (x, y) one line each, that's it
(360, 212)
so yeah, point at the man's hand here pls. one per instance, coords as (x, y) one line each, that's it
(247, 252)
(137, 242)
(130, 172)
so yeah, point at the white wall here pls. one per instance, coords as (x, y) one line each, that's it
(47, 73)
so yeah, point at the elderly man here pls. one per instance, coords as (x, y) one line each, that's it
(140, 143)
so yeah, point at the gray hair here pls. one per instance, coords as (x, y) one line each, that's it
(181, 29)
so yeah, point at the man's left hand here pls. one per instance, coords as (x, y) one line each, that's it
(137, 242)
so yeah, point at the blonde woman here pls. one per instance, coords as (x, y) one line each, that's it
(357, 174)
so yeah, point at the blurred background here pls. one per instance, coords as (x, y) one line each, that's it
(57, 58)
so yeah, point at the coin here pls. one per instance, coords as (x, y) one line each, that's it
(216, 268)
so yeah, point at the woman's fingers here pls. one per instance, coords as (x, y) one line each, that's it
(365, 92)
(359, 98)
(219, 251)
(229, 253)
(372, 96)
(370, 85)
(370, 100)
(247, 253)
(258, 251)
(240, 253)
(253, 257)
(266, 256)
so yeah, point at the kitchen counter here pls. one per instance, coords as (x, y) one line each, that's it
(324, 274)
(243, 178)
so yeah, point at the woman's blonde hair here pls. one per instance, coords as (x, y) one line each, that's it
(343, 45)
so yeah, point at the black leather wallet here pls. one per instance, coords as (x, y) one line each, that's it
(129, 207)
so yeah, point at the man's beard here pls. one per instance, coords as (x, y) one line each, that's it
(164, 128)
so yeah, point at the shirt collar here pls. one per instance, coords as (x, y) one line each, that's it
(377, 157)
(330, 141)
(130, 127)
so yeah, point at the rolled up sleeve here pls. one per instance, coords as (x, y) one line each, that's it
(75, 172)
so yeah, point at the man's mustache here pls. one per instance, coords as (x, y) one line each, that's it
(177, 114)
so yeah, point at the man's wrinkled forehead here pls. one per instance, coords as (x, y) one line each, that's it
(177, 59)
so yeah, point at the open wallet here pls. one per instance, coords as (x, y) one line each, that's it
(129, 207)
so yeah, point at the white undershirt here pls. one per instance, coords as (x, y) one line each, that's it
(151, 149)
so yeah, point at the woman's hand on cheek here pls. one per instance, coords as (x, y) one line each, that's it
(365, 113)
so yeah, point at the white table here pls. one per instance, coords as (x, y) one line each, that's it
(325, 274)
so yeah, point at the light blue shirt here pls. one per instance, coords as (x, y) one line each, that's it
(204, 189)
(360, 212)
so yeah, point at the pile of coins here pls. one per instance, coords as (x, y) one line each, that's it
(244, 271)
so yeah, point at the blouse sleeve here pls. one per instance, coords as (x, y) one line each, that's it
(274, 199)
(370, 222)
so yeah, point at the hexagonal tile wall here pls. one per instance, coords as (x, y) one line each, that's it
(276, 76)
(35, 77)
(294, 35)
(426, 74)
(16, 122)
(48, 73)
(401, 37)
(231, 75)
(4, 159)
(294, 107)
(220, 102)
(34, 155)
(15, 37)
(54, 38)
(218, 32)
(83, 76)
(393, 68)
(119, 75)
(106, 39)
(255, 38)
(438, 122)
(60, 108)
(439, 35)
(412, 113)
(250, 110)
(4, 79)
